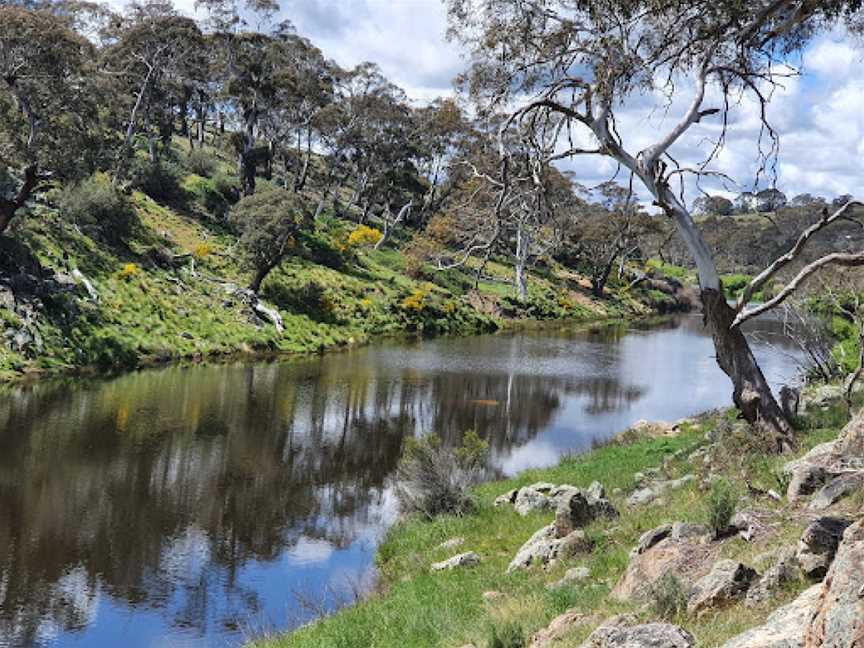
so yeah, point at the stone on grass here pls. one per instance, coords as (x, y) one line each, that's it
(529, 500)
(558, 629)
(507, 498)
(646, 635)
(468, 559)
(727, 581)
(450, 544)
(652, 491)
(571, 576)
(579, 508)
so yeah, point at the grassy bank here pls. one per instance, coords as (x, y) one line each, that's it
(167, 287)
(416, 608)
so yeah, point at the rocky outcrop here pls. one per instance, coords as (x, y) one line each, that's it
(784, 628)
(545, 546)
(835, 490)
(618, 633)
(469, 559)
(785, 570)
(727, 581)
(577, 508)
(686, 557)
(818, 545)
(838, 621)
(529, 500)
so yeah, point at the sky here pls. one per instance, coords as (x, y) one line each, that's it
(819, 116)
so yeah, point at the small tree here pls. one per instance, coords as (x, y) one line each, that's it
(268, 223)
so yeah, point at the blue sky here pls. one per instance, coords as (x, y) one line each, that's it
(819, 116)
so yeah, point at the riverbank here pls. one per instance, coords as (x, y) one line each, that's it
(652, 475)
(173, 291)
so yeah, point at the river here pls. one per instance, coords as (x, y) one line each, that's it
(199, 506)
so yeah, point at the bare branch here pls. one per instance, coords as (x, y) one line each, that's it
(763, 277)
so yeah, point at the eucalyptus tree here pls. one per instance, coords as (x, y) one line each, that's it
(155, 58)
(584, 60)
(45, 103)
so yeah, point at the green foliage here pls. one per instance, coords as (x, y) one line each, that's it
(508, 635)
(99, 209)
(668, 597)
(721, 506)
(655, 266)
(733, 284)
(200, 162)
(474, 450)
(311, 298)
(160, 180)
(214, 196)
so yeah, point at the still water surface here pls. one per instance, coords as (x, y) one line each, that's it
(192, 507)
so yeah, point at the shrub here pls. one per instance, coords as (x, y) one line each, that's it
(128, 271)
(721, 507)
(99, 209)
(509, 635)
(433, 479)
(364, 235)
(200, 162)
(667, 596)
(311, 298)
(202, 251)
(160, 180)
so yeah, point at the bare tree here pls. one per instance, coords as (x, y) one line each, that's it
(581, 60)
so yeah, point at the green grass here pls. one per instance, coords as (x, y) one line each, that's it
(415, 608)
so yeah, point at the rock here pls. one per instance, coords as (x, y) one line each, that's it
(784, 570)
(728, 580)
(529, 500)
(651, 538)
(558, 629)
(806, 479)
(571, 576)
(647, 635)
(507, 498)
(839, 614)
(687, 559)
(690, 531)
(492, 596)
(542, 487)
(649, 493)
(818, 545)
(452, 543)
(579, 508)
(469, 559)
(540, 548)
(784, 628)
(835, 490)
(574, 543)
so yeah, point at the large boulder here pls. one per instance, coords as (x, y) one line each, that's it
(529, 500)
(687, 558)
(835, 490)
(784, 628)
(839, 618)
(727, 581)
(559, 628)
(818, 545)
(618, 633)
(578, 508)
(545, 546)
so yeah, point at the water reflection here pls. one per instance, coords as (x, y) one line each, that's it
(174, 506)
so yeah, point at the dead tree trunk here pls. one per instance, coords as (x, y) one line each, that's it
(523, 244)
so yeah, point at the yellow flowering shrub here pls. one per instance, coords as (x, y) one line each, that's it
(202, 251)
(129, 270)
(364, 235)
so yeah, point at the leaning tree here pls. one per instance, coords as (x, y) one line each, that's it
(585, 60)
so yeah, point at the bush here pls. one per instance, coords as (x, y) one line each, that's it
(668, 598)
(99, 209)
(721, 507)
(510, 635)
(160, 181)
(363, 235)
(433, 479)
(311, 298)
(200, 162)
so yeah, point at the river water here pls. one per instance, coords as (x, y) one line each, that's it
(192, 507)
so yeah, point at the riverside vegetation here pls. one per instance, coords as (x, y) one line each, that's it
(729, 501)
